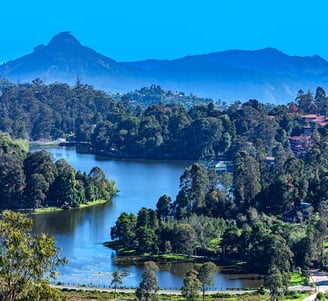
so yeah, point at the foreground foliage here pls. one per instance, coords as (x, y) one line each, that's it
(26, 261)
(148, 287)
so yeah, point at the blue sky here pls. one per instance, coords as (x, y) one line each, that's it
(128, 30)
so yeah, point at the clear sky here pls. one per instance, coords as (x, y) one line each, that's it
(128, 30)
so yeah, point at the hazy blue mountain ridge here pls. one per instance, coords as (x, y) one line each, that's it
(268, 74)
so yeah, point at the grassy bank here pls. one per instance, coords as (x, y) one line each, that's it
(130, 255)
(94, 203)
(56, 209)
(49, 143)
(46, 210)
(298, 279)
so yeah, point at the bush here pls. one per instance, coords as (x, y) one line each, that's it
(320, 296)
(293, 294)
(261, 290)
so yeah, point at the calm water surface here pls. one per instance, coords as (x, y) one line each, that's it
(80, 233)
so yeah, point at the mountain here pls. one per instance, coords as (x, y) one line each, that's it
(65, 59)
(268, 74)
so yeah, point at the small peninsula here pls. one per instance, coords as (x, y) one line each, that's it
(32, 180)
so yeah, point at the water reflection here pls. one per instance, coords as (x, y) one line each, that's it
(65, 222)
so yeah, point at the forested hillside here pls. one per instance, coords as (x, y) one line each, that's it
(118, 126)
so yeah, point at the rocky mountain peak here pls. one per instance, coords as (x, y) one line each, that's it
(63, 39)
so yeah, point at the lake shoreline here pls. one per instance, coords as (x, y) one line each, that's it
(124, 257)
(58, 209)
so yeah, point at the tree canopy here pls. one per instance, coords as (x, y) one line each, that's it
(26, 261)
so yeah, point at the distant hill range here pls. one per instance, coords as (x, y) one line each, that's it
(267, 74)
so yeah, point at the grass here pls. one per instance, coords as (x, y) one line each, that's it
(89, 295)
(93, 203)
(296, 297)
(167, 256)
(46, 210)
(326, 244)
(214, 243)
(297, 279)
(125, 251)
(171, 257)
(56, 209)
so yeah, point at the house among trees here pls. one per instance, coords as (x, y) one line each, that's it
(297, 213)
(315, 120)
(220, 165)
(300, 144)
(223, 166)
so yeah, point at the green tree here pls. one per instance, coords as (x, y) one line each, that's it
(17, 147)
(40, 172)
(35, 191)
(163, 207)
(124, 229)
(321, 99)
(143, 218)
(295, 180)
(278, 274)
(274, 282)
(26, 261)
(149, 285)
(117, 278)
(11, 181)
(40, 162)
(305, 102)
(184, 239)
(247, 179)
(231, 240)
(206, 275)
(146, 239)
(191, 286)
(194, 184)
(201, 137)
(63, 191)
(99, 187)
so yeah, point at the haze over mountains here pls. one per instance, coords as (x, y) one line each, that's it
(267, 74)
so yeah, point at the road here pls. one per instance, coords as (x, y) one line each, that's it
(129, 290)
(320, 279)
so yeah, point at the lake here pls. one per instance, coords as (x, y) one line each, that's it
(80, 233)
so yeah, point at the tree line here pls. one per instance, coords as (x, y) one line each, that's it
(30, 180)
(124, 126)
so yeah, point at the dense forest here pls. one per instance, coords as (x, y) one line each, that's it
(118, 126)
(267, 210)
(30, 180)
(270, 217)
